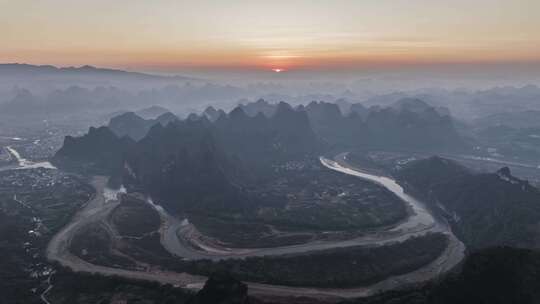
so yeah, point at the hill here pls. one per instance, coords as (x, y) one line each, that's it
(484, 209)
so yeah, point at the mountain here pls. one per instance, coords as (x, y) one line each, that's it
(98, 150)
(417, 105)
(131, 125)
(412, 128)
(328, 123)
(183, 167)
(260, 106)
(62, 102)
(359, 109)
(152, 112)
(484, 209)
(261, 141)
(222, 288)
(212, 114)
(409, 124)
(178, 162)
(27, 70)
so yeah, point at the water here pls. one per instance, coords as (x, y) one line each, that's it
(113, 194)
(420, 214)
(23, 163)
(418, 224)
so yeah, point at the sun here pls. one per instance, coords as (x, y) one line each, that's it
(277, 70)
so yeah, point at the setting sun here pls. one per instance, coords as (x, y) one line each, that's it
(278, 70)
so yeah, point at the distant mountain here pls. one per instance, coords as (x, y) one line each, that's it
(260, 106)
(183, 167)
(414, 128)
(468, 104)
(27, 70)
(409, 124)
(212, 114)
(486, 209)
(417, 105)
(131, 125)
(69, 101)
(332, 127)
(152, 112)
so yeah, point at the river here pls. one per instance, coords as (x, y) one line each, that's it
(419, 223)
(23, 163)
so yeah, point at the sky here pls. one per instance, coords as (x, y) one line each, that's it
(176, 35)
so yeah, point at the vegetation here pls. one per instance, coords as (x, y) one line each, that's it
(135, 218)
(498, 275)
(34, 204)
(343, 267)
(301, 205)
(81, 288)
(484, 209)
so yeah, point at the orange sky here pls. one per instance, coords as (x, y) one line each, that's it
(175, 35)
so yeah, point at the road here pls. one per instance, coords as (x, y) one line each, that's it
(420, 223)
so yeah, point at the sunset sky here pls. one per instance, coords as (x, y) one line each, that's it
(172, 35)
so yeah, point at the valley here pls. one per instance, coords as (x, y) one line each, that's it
(178, 201)
(418, 225)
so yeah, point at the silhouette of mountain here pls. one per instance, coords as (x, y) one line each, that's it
(183, 167)
(18, 69)
(413, 128)
(417, 106)
(212, 114)
(410, 124)
(99, 150)
(177, 162)
(260, 106)
(261, 141)
(129, 124)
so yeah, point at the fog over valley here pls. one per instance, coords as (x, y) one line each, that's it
(203, 152)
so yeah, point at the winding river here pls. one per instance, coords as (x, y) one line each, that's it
(419, 223)
(175, 238)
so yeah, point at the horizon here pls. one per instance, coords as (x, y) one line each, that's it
(171, 37)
